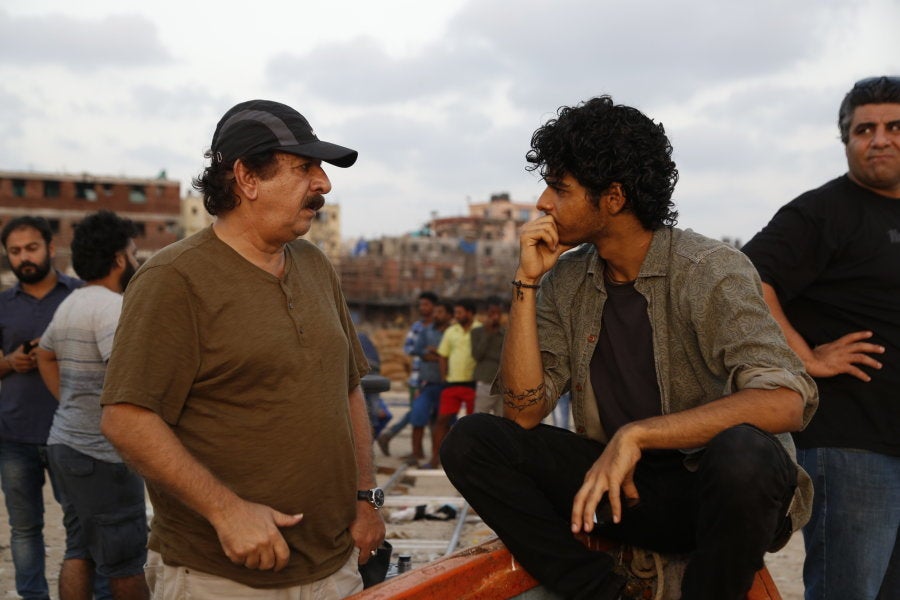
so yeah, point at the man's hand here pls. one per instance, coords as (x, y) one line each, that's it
(842, 356)
(21, 361)
(367, 530)
(539, 248)
(611, 474)
(249, 535)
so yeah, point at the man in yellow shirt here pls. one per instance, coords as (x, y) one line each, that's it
(457, 371)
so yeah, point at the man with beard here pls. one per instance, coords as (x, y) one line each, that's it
(26, 405)
(102, 499)
(234, 383)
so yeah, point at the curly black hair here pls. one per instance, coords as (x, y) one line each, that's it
(216, 183)
(96, 240)
(600, 143)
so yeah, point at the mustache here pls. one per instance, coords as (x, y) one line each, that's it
(25, 264)
(315, 202)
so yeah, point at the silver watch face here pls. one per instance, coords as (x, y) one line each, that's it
(377, 497)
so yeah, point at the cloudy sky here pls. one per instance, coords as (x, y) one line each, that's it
(441, 97)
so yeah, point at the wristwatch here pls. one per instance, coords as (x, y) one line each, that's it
(375, 497)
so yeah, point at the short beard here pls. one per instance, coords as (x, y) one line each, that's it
(126, 275)
(38, 275)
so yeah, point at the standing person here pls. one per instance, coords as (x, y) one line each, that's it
(830, 266)
(487, 342)
(679, 377)
(427, 302)
(26, 405)
(379, 415)
(233, 385)
(425, 406)
(457, 372)
(102, 499)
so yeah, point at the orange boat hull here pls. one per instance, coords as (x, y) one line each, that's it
(489, 572)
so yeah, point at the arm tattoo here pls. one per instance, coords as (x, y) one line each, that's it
(522, 400)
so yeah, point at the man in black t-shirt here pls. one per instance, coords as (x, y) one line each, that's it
(830, 265)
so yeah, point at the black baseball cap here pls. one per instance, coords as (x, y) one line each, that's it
(262, 125)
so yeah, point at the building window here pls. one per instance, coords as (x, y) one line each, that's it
(51, 189)
(54, 225)
(85, 191)
(107, 189)
(18, 188)
(137, 195)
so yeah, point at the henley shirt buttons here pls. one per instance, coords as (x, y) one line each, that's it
(578, 387)
(592, 338)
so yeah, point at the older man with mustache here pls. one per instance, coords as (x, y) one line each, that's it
(233, 385)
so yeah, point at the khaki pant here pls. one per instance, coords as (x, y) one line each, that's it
(179, 583)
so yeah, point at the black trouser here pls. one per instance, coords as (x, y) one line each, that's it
(727, 512)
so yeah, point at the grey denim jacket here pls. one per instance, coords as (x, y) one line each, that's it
(712, 334)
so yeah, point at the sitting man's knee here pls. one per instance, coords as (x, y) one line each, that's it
(466, 436)
(746, 453)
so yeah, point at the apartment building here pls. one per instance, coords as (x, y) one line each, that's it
(64, 199)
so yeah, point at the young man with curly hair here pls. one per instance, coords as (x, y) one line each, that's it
(102, 499)
(683, 388)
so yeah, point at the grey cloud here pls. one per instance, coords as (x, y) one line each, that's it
(118, 40)
(13, 110)
(657, 51)
(158, 157)
(182, 102)
(764, 126)
(361, 73)
(560, 53)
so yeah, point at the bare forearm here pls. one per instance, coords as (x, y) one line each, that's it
(793, 337)
(362, 437)
(775, 411)
(521, 369)
(147, 443)
(48, 366)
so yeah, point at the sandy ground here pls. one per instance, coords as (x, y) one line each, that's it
(424, 540)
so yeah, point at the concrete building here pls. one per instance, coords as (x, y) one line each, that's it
(63, 199)
(326, 232)
(472, 256)
(498, 219)
(193, 214)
